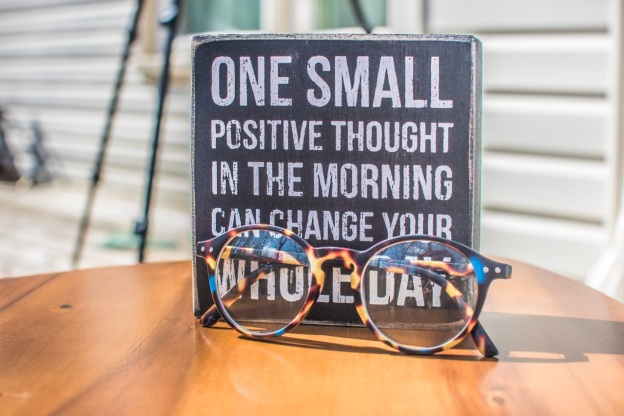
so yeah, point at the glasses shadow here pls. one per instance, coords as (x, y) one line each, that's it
(518, 337)
(362, 341)
(294, 339)
(539, 338)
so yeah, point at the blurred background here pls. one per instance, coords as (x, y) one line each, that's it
(553, 139)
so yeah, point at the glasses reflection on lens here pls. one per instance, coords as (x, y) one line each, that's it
(403, 291)
(263, 280)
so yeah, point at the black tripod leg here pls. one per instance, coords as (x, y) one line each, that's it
(142, 225)
(99, 160)
(359, 16)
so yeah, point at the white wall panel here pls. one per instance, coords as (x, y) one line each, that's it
(549, 167)
(566, 247)
(517, 15)
(550, 125)
(546, 186)
(76, 95)
(559, 64)
(96, 70)
(92, 43)
(66, 17)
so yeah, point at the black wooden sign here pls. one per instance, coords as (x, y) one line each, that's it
(344, 139)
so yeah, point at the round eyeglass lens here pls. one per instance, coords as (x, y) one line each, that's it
(263, 280)
(404, 291)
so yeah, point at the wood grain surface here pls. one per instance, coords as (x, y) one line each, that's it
(124, 340)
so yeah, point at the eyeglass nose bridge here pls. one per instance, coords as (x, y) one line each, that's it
(337, 257)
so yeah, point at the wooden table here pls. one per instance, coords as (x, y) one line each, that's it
(123, 340)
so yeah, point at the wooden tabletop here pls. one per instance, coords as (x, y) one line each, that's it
(124, 340)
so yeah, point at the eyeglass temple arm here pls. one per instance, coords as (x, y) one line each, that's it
(481, 339)
(483, 342)
(212, 315)
(479, 336)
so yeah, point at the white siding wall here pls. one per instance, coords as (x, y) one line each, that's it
(552, 146)
(550, 162)
(58, 60)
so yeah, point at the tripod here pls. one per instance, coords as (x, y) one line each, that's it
(169, 20)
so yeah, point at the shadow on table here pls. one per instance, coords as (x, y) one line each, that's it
(535, 338)
(519, 338)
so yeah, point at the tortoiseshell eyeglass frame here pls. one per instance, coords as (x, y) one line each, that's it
(485, 271)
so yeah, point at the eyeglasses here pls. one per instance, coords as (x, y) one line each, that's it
(417, 294)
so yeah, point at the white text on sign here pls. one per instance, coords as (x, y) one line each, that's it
(242, 80)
